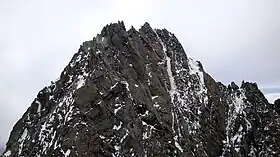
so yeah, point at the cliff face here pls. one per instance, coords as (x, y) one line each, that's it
(136, 93)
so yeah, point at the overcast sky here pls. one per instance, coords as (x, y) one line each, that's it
(234, 39)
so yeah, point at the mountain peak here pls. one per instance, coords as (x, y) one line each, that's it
(137, 93)
(113, 28)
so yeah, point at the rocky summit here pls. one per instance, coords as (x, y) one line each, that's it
(137, 93)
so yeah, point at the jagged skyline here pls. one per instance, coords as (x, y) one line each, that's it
(39, 38)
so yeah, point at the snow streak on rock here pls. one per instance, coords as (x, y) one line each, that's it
(234, 137)
(172, 91)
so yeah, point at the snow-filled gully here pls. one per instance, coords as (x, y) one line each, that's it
(172, 91)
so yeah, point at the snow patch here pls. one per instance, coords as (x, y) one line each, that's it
(150, 74)
(171, 78)
(156, 105)
(178, 146)
(148, 130)
(98, 52)
(127, 88)
(21, 140)
(115, 127)
(81, 82)
(126, 85)
(102, 137)
(67, 153)
(8, 153)
(114, 86)
(195, 70)
(39, 106)
(124, 137)
(154, 97)
(78, 58)
(117, 109)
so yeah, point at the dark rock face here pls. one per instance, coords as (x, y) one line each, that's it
(136, 93)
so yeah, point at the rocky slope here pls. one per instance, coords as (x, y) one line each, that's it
(136, 93)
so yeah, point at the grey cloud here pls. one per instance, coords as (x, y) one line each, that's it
(234, 40)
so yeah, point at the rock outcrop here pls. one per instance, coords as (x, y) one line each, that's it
(137, 93)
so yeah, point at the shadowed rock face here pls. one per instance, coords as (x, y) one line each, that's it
(136, 93)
